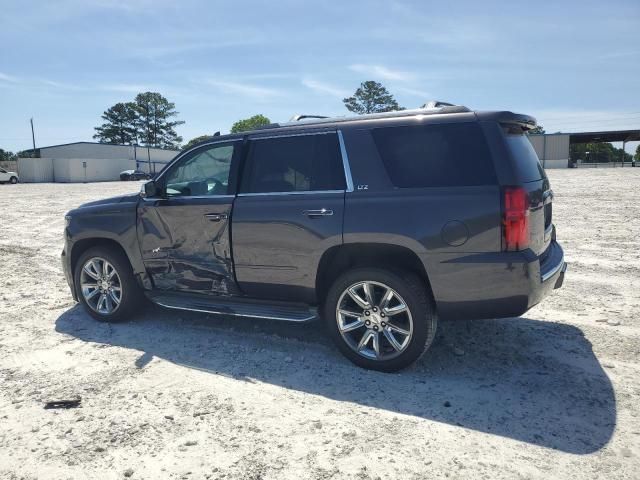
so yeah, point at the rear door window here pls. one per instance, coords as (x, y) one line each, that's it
(299, 163)
(442, 155)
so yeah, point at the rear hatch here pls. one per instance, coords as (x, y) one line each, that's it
(533, 179)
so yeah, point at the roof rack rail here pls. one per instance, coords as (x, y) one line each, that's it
(297, 118)
(438, 104)
(430, 108)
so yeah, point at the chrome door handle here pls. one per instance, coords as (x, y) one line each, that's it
(216, 217)
(323, 212)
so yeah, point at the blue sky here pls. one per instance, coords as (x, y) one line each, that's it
(575, 65)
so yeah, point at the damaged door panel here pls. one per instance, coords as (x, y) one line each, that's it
(184, 232)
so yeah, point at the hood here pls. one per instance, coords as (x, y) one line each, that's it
(131, 198)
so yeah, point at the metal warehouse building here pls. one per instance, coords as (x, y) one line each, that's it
(90, 162)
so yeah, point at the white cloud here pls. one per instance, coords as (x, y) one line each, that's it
(255, 92)
(130, 88)
(321, 87)
(381, 72)
(7, 78)
(414, 92)
(586, 120)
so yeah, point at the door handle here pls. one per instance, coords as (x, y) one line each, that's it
(323, 212)
(216, 217)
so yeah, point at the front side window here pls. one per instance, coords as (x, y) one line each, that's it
(435, 155)
(294, 164)
(204, 172)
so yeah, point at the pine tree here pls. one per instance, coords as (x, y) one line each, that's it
(154, 124)
(120, 125)
(371, 97)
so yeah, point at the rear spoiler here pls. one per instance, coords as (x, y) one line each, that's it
(526, 122)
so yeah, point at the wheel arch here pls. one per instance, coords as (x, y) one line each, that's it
(341, 258)
(81, 246)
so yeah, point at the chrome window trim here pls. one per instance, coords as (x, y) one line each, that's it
(207, 197)
(286, 135)
(345, 162)
(297, 192)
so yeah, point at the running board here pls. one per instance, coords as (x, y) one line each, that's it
(239, 307)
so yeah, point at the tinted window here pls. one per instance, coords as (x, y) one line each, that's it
(204, 172)
(293, 164)
(525, 157)
(444, 155)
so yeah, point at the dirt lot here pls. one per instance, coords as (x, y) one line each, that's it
(554, 394)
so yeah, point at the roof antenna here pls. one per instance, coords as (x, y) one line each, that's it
(217, 134)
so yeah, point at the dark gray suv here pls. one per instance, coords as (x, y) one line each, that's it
(380, 224)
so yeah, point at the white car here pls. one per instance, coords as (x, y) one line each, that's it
(5, 176)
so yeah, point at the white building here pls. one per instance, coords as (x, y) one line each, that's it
(90, 162)
(552, 149)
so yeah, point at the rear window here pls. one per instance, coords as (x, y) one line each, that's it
(524, 155)
(445, 155)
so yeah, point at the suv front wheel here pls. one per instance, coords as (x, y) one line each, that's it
(105, 284)
(379, 319)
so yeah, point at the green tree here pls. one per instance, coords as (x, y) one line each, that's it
(602, 152)
(371, 97)
(6, 156)
(638, 153)
(250, 123)
(154, 121)
(120, 124)
(195, 140)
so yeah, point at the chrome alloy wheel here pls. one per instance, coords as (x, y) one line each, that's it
(101, 286)
(374, 320)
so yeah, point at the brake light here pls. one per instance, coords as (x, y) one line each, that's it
(515, 222)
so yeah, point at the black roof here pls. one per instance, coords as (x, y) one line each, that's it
(313, 122)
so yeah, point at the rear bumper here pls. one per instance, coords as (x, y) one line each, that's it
(495, 285)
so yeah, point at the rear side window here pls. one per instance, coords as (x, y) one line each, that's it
(524, 155)
(445, 155)
(293, 164)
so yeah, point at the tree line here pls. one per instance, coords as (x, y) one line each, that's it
(150, 119)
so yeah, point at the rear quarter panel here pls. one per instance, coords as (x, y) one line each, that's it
(456, 232)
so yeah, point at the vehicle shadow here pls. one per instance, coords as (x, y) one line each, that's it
(533, 381)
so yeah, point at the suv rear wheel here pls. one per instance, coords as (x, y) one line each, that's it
(379, 319)
(105, 284)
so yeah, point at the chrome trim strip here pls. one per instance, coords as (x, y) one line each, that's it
(561, 264)
(253, 137)
(345, 162)
(305, 192)
(206, 197)
(199, 310)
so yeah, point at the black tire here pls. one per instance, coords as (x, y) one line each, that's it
(416, 297)
(131, 293)
(13, 180)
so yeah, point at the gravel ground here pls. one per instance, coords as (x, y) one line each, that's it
(553, 394)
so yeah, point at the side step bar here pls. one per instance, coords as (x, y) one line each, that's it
(239, 307)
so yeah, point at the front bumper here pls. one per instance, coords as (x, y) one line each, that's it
(65, 259)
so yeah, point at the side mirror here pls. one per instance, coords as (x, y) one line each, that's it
(149, 189)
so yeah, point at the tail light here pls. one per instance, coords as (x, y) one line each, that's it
(515, 221)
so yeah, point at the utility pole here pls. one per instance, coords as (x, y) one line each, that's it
(33, 137)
